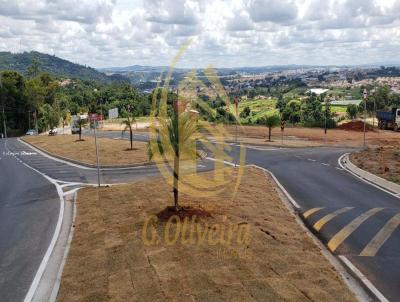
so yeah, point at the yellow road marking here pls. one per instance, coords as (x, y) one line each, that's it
(350, 228)
(311, 211)
(380, 238)
(324, 220)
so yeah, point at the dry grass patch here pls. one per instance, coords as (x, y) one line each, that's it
(383, 160)
(111, 152)
(109, 260)
(303, 137)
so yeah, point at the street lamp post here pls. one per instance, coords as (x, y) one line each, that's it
(97, 157)
(4, 114)
(365, 115)
(374, 114)
(93, 120)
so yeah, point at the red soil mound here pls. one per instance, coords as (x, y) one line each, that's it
(355, 126)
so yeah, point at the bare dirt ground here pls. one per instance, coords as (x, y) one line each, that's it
(110, 126)
(109, 260)
(303, 137)
(111, 152)
(382, 160)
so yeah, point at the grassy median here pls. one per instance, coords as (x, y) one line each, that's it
(112, 259)
(111, 151)
(383, 160)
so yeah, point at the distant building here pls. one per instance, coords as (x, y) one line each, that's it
(346, 102)
(318, 91)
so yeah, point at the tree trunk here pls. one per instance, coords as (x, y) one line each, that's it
(131, 137)
(176, 182)
(80, 131)
(269, 133)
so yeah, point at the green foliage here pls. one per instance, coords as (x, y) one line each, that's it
(272, 121)
(129, 121)
(352, 111)
(314, 116)
(48, 118)
(175, 139)
(245, 113)
(258, 108)
(292, 112)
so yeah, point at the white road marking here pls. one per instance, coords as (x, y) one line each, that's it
(262, 148)
(310, 159)
(45, 260)
(363, 278)
(80, 166)
(340, 169)
(324, 164)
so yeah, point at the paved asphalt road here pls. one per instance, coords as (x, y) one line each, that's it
(350, 216)
(29, 207)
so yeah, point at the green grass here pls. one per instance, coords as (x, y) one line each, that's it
(337, 109)
(259, 108)
(353, 93)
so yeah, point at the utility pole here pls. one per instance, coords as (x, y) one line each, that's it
(4, 114)
(374, 114)
(4, 123)
(237, 118)
(93, 120)
(365, 115)
(36, 123)
(97, 157)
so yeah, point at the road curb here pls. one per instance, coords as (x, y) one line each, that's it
(91, 166)
(387, 185)
(57, 283)
(354, 283)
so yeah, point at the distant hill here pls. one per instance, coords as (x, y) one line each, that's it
(54, 65)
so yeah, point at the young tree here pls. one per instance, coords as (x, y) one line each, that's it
(246, 112)
(271, 122)
(129, 121)
(175, 138)
(352, 111)
(81, 122)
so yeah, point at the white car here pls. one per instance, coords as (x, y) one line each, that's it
(53, 131)
(31, 132)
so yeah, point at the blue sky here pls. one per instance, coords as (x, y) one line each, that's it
(105, 33)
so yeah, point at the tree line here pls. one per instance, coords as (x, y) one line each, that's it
(43, 101)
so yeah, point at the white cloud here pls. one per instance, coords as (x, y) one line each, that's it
(227, 33)
(274, 11)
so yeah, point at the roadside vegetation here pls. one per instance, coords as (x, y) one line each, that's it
(38, 99)
(113, 257)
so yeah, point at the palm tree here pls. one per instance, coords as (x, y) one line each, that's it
(271, 122)
(175, 138)
(128, 122)
(81, 122)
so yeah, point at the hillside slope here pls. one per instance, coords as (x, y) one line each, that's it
(53, 65)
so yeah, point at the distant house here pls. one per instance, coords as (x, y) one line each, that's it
(318, 91)
(346, 102)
